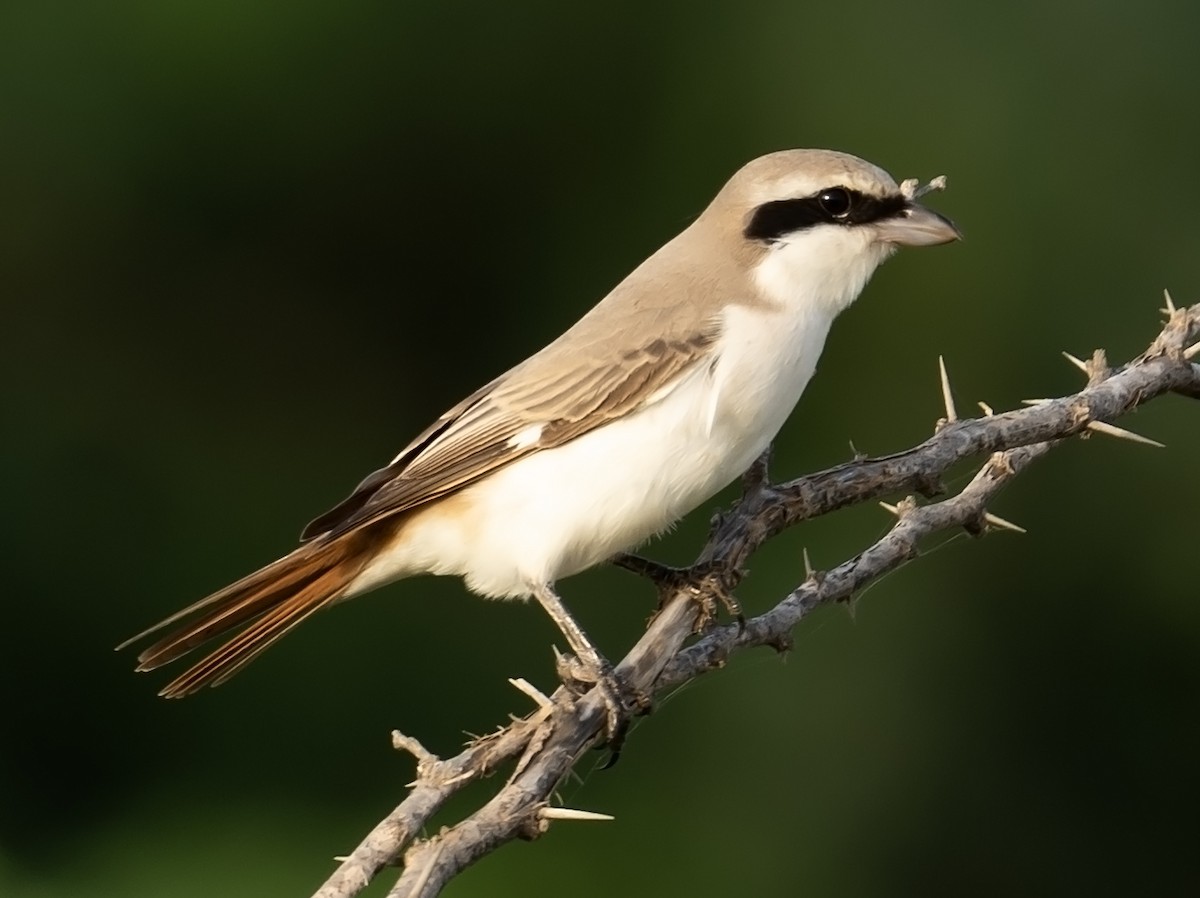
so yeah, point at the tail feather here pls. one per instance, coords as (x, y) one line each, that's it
(278, 572)
(269, 603)
(272, 626)
(235, 605)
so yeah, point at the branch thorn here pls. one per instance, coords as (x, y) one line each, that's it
(947, 396)
(1122, 434)
(901, 508)
(1078, 363)
(987, 409)
(1001, 524)
(1170, 303)
(572, 814)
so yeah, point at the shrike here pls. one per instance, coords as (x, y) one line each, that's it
(658, 397)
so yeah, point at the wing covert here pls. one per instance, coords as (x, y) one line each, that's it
(488, 430)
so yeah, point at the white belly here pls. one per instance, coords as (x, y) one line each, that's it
(559, 511)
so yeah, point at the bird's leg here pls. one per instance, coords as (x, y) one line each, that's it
(595, 668)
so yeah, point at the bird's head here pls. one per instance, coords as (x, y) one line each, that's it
(817, 223)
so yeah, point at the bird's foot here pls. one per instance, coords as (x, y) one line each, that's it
(712, 584)
(707, 583)
(622, 702)
(588, 668)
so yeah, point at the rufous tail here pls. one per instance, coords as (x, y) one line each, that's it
(268, 604)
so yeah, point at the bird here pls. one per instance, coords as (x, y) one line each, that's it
(660, 395)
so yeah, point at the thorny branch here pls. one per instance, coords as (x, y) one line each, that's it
(543, 747)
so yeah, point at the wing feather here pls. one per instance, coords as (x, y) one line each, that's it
(479, 435)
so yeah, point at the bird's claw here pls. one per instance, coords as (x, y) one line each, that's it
(706, 582)
(621, 701)
(714, 584)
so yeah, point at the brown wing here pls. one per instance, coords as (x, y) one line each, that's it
(476, 437)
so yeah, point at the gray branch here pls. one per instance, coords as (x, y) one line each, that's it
(539, 750)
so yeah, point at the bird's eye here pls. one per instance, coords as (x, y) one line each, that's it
(835, 201)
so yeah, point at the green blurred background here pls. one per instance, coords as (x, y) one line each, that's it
(250, 249)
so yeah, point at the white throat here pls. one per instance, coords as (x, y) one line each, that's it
(826, 267)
